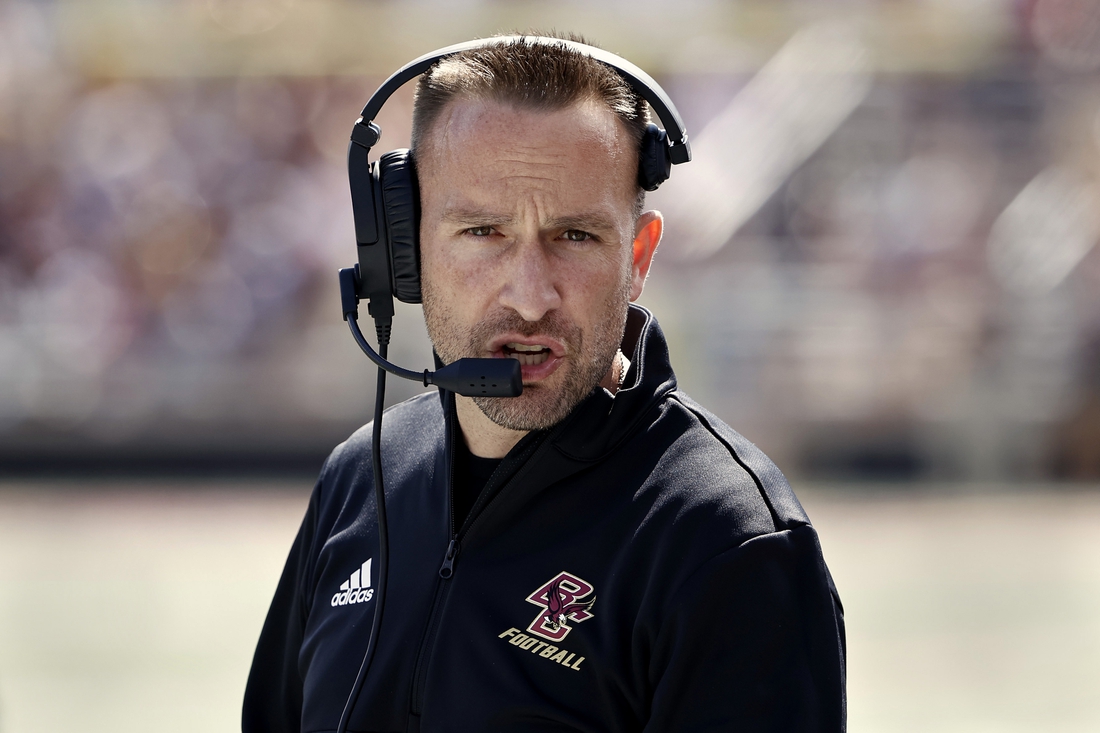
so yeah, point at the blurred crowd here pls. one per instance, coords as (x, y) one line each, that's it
(886, 272)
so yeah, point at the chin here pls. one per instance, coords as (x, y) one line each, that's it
(535, 409)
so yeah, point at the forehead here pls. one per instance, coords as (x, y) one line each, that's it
(487, 143)
(472, 120)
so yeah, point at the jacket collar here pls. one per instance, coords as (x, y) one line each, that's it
(596, 427)
(599, 423)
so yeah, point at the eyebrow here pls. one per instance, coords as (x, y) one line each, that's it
(593, 220)
(475, 217)
(479, 217)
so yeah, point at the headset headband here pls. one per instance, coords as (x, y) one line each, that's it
(366, 133)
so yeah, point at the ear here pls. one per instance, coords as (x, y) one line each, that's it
(647, 235)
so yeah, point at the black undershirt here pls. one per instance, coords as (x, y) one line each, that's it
(471, 474)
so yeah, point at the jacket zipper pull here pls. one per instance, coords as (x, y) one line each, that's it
(448, 568)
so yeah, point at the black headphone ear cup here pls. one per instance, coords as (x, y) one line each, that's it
(401, 203)
(655, 163)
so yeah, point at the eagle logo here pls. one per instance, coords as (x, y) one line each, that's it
(563, 600)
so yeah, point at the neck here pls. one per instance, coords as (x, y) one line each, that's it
(486, 439)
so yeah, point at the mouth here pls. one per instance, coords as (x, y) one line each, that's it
(538, 356)
(526, 354)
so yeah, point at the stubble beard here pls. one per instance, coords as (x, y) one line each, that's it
(588, 360)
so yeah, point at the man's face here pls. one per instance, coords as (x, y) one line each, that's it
(526, 236)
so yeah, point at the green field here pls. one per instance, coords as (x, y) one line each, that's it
(134, 607)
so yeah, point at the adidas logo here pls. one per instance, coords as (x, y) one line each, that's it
(356, 589)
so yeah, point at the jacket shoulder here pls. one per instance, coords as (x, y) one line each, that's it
(730, 471)
(403, 424)
(412, 432)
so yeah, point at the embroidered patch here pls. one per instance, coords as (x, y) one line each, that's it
(562, 600)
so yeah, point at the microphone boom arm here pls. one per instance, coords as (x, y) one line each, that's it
(468, 377)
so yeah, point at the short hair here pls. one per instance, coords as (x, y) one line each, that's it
(537, 76)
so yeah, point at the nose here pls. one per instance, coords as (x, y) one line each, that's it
(530, 282)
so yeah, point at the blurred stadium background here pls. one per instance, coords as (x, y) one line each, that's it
(881, 267)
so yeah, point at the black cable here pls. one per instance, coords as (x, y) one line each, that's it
(423, 377)
(383, 529)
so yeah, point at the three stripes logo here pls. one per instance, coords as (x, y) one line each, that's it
(355, 589)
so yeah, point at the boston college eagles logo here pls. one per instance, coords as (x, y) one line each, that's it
(562, 600)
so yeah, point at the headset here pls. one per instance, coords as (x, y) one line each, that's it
(385, 198)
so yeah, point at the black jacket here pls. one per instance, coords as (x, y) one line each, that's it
(638, 567)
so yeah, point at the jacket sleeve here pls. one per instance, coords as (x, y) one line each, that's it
(273, 695)
(753, 641)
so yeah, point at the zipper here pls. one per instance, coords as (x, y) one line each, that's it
(448, 567)
(487, 498)
(420, 671)
(446, 570)
(420, 675)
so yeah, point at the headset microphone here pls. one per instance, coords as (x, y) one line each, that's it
(469, 377)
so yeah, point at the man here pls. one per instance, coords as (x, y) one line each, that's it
(599, 553)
